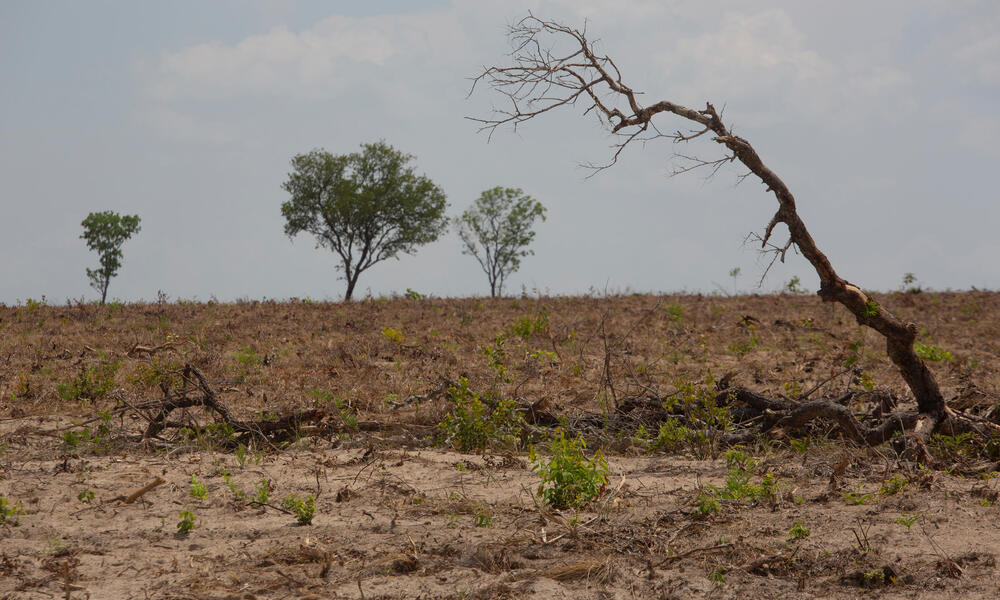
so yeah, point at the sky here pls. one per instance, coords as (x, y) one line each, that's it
(883, 119)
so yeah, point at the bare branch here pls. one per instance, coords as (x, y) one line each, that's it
(541, 79)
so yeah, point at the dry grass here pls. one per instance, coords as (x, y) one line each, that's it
(266, 356)
(397, 519)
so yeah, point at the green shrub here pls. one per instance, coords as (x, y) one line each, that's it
(304, 509)
(570, 479)
(931, 353)
(393, 335)
(798, 531)
(9, 511)
(186, 522)
(739, 484)
(472, 426)
(529, 326)
(197, 489)
(92, 383)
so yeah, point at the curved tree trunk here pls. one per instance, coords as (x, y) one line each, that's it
(539, 80)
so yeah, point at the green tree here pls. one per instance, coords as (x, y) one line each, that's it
(105, 232)
(367, 206)
(496, 230)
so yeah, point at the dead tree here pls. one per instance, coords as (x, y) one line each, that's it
(541, 78)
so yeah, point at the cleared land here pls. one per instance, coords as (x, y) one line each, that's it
(399, 513)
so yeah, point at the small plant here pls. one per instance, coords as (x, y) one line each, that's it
(9, 511)
(676, 312)
(412, 294)
(960, 443)
(569, 479)
(794, 286)
(186, 522)
(871, 309)
(156, 372)
(717, 576)
(248, 357)
(92, 383)
(197, 489)
(470, 426)
(910, 284)
(529, 326)
(741, 349)
(855, 350)
(304, 509)
(393, 335)
(893, 486)
(734, 273)
(347, 413)
(672, 436)
(86, 496)
(483, 519)
(496, 357)
(237, 492)
(738, 486)
(263, 488)
(798, 531)
(858, 497)
(74, 437)
(706, 504)
(241, 455)
(931, 353)
(874, 578)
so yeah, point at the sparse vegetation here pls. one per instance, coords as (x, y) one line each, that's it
(304, 509)
(9, 511)
(186, 522)
(798, 531)
(663, 426)
(197, 489)
(472, 426)
(569, 478)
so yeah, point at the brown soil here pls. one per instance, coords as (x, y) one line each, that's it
(401, 515)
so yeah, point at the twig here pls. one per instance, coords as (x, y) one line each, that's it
(688, 553)
(141, 491)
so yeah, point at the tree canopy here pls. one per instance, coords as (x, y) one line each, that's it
(367, 206)
(496, 231)
(105, 232)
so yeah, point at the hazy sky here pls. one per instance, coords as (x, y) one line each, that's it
(882, 117)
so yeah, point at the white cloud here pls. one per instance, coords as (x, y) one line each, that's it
(318, 63)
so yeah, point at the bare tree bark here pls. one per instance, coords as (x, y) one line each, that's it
(540, 80)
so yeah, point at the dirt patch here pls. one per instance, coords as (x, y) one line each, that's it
(397, 514)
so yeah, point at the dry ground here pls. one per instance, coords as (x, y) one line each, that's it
(400, 514)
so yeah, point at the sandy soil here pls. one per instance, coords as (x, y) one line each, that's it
(422, 522)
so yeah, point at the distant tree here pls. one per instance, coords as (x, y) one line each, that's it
(367, 206)
(105, 232)
(496, 230)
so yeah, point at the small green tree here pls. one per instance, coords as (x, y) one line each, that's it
(496, 230)
(367, 206)
(105, 232)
